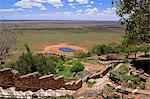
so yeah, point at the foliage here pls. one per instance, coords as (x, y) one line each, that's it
(122, 77)
(71, 70)
(145, 48)
(142, 85)
(137, 23)
(81, 74)
(91, 83)
(81, 54)
(116, 48)
(106, 49)
(67, 73)
(61, 66)
(77, 67)
(134, 49)
(108, 93)
(28, 63)
(131, 49)
(101, 49)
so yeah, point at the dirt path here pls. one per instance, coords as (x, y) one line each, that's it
(96, 89)
(93, 68)
(102, 81)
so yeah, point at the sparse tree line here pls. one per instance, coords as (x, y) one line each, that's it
(114, 48)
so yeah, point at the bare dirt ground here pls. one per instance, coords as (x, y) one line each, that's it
(93, 68)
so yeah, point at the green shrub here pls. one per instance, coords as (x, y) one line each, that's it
(81, 74)
(122, 77)
(91, 83)
(142, 85)
(66, 73)
(69, 63)
(81, 54)
(28, 63)
(61, 66)
(77, 66)
(105, 49)
(125, 61)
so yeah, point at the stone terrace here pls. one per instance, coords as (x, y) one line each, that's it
(9, 78)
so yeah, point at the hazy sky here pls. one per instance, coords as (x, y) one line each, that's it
(58, 9)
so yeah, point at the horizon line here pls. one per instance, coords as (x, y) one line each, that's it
(51, 20)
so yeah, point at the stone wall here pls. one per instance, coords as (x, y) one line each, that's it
(6, 77)
(28, 82)
(49, 82)
(101, 73)
(33, 82)
(74, 85)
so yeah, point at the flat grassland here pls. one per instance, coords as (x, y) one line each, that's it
(84, 34)
(39, 35)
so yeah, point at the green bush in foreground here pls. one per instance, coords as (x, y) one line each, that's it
(61, 66)
(29, 63)
(77, 66)
(44, 65)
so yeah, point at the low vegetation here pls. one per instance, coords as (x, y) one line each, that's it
(123, 77)
(81, 54)
(91, 83)
(29, 62)
(70, 69)
(108, 93)
(119, 49)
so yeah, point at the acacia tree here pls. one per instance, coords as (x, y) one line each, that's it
(135, 14)
(145, 49)
(8, 35)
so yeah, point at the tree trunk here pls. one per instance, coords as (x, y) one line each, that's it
(135, 54)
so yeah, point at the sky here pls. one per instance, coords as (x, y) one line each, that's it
(58, 10)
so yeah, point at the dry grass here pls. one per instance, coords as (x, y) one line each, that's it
(39, 39)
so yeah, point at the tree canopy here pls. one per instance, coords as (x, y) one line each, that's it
(135, 14)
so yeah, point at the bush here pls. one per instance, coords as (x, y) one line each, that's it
(142, 85)
(145, 48)
(105, 49)
(61, 66)
(121, 76)
(77, 66)
(81, 54)
(91, 83)
(28, 63)
(81, 74)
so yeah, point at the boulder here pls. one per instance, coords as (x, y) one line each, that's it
(114, 56)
